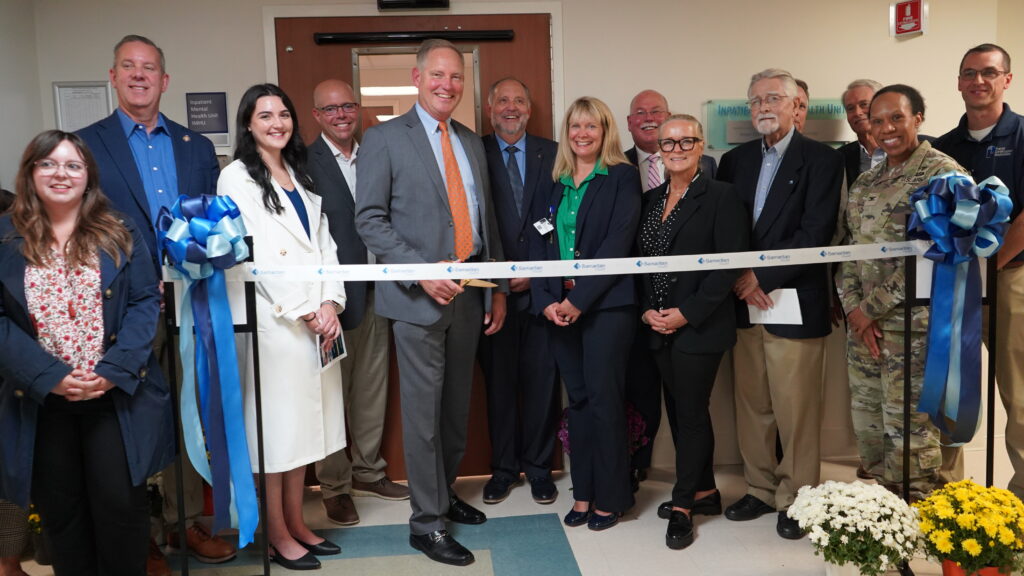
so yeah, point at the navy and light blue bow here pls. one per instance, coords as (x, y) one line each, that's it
(202, 236)
(964, 221)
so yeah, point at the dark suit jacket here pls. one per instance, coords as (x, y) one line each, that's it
(851, 158)
(711, 220)
(800, 212)
(329, 183)
(605, 228)
(851, 161)
(194, 159)
(707, 163)
(513, 227)
(131, 304)
(402, 211)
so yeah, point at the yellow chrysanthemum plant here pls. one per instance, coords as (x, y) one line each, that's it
(35, 523)
(974, 526)
(862, 524)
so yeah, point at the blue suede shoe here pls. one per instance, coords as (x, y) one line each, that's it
(574, 518)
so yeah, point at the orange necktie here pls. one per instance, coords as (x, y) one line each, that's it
(456, 197)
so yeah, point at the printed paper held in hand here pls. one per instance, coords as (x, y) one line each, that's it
(785, 311)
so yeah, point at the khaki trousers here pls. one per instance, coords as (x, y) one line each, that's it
(778, 388)
(364, 381)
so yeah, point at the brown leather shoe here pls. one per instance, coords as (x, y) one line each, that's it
(202, 545)
(341, 510)
(383, 488)
(156, 563)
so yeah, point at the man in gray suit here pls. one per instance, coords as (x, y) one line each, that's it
(364, 371)
(423, 196)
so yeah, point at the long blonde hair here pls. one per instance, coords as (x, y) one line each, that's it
(611, 146)
(97, 228)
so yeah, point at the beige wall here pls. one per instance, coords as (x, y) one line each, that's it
(20, 113)
(692, 51)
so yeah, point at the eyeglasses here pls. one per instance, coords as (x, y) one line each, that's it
(650, 113)
(685, 144)
(47, 167)
(772, 100)
(333, 110)
(970, 74)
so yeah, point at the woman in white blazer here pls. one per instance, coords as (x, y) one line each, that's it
(303, 416)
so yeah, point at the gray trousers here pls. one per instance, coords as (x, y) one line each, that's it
(435, 370)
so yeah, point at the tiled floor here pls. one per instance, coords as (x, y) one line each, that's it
(636, 546)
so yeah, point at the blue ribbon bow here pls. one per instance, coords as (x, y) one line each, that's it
(964, 222)
(202, 236)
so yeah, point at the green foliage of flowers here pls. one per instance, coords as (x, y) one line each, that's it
(864, 524)
(974, 526)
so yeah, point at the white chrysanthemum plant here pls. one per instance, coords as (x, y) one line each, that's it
(863, 524)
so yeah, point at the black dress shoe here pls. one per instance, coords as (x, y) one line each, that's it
(459, 511)
(543, 490)
(499, 487)
(574, 518)
(747, 508)
(307, 562)
(680, 531)
(636, 476)
(325, 548)
(788, 528)
(600, 522)
(710, 505)
(439, 546)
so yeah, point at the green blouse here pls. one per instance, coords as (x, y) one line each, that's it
(565, 219)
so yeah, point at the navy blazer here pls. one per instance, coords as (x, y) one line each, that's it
(131, 305)
(194, 158)
(800, 212)
(707, 163)
(340, 207)
(710, 220)
(513, 226)
(605, 228)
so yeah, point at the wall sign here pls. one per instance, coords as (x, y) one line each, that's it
(727, 123)
(208, 114)
(908, 18)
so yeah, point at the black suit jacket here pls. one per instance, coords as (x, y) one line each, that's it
(513, 226)
(194, 159)
(339, 206)
(707, 163)
(710, 220)
(851, 161)
(799, 212)
(605, 228)
(851, 158)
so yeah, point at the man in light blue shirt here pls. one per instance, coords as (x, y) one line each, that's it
(146, 161)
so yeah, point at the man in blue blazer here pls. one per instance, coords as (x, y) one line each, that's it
(361, 470)
(423, 196)
(791, 186)
(522, 381)
(146, 161)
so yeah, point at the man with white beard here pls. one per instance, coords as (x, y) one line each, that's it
(791, 185)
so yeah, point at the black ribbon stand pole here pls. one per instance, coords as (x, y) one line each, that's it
(248, 327)
(910, 300)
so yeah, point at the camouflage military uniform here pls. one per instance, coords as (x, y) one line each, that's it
(876, 212)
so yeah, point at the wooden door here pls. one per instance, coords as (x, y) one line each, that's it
(302, 64)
